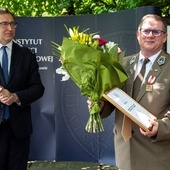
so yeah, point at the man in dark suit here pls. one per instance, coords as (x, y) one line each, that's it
(22, 87)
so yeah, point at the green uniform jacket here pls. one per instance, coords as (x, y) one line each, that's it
(142, 152)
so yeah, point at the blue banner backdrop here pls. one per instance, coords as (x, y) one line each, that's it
(59, 118)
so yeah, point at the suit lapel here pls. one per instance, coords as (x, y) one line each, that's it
(131, 72)
(14, 60)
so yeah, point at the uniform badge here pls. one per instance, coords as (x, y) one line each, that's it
(149, 87)
(161, 60)
(132, 60)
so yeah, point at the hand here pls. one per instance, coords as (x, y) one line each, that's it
(153, 131)
(6, 97)
(90, 103)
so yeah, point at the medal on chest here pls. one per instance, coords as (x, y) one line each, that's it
(149, 86)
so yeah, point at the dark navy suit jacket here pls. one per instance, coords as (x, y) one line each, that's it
(25, 81)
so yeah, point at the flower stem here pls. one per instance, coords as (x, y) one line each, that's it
(94, 123)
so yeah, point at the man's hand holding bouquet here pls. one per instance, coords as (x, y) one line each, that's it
(94, 66)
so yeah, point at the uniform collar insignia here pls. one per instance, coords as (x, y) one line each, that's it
(161, 60)
(132, 60)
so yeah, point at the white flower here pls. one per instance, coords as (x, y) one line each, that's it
(62, 71)
(71, 32)
(96, 36)
(110, 45)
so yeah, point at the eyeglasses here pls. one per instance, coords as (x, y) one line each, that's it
(155, 33)
(6, 24)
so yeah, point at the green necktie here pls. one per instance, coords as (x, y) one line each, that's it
(139, 79)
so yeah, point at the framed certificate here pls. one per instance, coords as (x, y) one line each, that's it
(130, 108)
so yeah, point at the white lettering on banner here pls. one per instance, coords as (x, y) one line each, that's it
(29, 41)
(34, 45)
(43, 68)
(33, 49)
(45, 58)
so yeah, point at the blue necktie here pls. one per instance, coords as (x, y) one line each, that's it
(5, 63)
(5, 71)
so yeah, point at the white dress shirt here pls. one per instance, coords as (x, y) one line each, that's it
(148, 64)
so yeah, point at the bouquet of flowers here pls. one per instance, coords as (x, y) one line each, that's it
(94, 66)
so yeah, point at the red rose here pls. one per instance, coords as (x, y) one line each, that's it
(101, 41)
